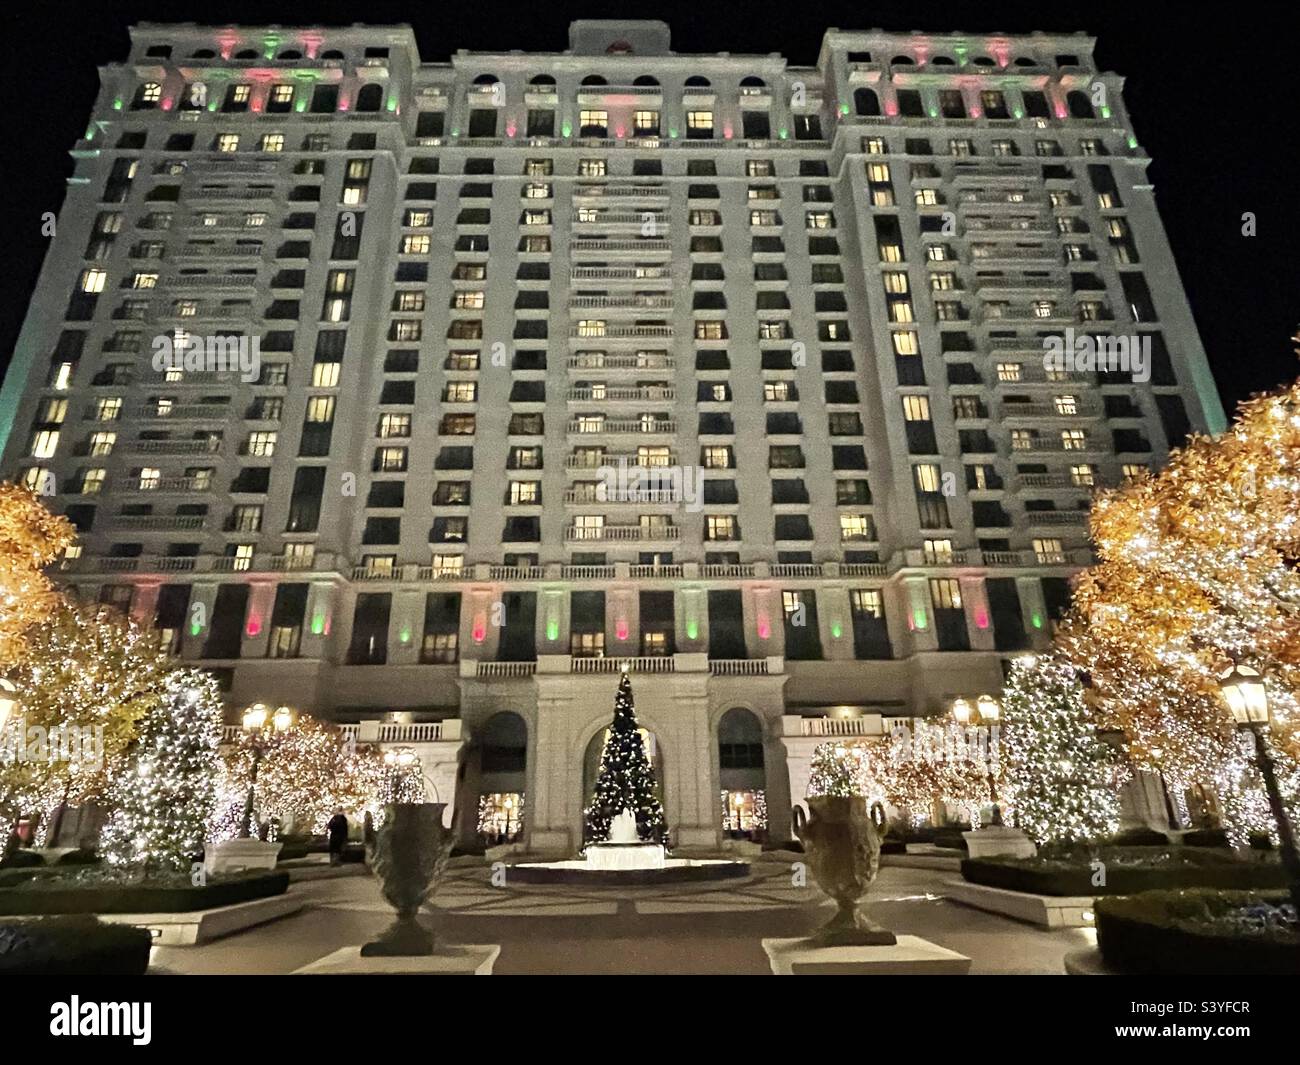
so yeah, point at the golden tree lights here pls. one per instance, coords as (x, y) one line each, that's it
(30, 538)
(1198, 570)
(85, 673)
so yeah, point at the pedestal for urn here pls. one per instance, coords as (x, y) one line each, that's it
(410, 851)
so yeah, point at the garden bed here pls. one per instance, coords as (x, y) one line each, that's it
(72, 946)
(1127, 870)
(1199, 932)
(113, 891)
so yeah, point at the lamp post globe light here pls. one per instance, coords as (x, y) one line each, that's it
(1244, 692)
(987, 712)
(259, 738)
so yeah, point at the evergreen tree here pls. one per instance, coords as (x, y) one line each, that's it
(626, 780)
(166, 791)
(1062, 777)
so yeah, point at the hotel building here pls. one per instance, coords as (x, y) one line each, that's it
(424, 396)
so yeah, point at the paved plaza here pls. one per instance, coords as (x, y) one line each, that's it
(688, 928)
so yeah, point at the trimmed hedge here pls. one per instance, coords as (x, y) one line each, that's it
(72, 946)
(45, 895)
(1163, 868)
(22, 859)
(953, 841)
(1172, 933)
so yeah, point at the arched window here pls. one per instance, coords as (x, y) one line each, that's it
(1026, 61)
(983, 61)
(619, 48)
(333, 53)
(902, 61)
(291, 53)
(370, 97)
(943, 61)
(247, 53)
(646, 79)
(486, 79)
(698, 81)
(593, 79)
(742, 774)
(204, 53)
(866, 102)
(752, 82)
(541, 79)
(1079, 104)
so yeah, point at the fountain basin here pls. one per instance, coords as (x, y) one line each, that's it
(672, 871)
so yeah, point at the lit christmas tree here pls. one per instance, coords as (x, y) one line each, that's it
(30, 538)
(626, 780)
(167, 789)
(1063, 779)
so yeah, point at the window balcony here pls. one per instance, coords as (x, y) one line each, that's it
(625, 533)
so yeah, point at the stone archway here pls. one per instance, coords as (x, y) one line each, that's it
(742, 774)
(494, 779)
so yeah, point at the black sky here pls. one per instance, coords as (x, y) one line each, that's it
(1210, 98)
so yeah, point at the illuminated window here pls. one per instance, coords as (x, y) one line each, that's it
(228, 142)
(946, 593)
(273, 142)
(93, 280)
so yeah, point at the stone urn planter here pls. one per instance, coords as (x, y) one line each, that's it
(842, 843)
(239, 855)
(410, 850)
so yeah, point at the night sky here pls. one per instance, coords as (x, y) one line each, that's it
(1211, 101)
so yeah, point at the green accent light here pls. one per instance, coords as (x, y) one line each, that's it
(405, 636)
(90, 133)
(212, 105)
(392, 103)
(552, 629)
(671, 132)
(117, 104)
(844, 109)
(1037, 620)
(1132, 141)
(918, 618)
(566, 129)
(934, 112)
(196, 627)
(300, 106)
(836, 629)
(317, 624)
(692, 630)
(1018, 113)
(1105, 112)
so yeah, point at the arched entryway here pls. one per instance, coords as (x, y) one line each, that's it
(493, 790)
(742, 775)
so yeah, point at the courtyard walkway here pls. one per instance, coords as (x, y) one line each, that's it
(691, 928)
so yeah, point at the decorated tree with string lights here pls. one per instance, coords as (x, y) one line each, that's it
(85, 677)
(1197, 570)
(165, 793)
(30, 539)
(306, 772)
(1061, 777)
(626, 780)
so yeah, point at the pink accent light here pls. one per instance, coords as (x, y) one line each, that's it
(620, 629)
(480, 629)
(764, 628)
(981, 619)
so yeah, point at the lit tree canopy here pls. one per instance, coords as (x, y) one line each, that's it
(306, 773)
(30, 538)
(1198, 568)
(165, 793)
(83, 669)
(1062, 778)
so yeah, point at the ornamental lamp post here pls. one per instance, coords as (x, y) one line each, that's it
(1243, 690)
(259, 739)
